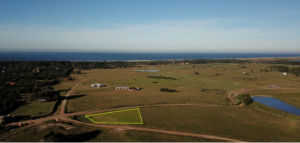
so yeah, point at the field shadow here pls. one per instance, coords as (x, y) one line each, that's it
(75, 96)
(77, 137)
(12, 108)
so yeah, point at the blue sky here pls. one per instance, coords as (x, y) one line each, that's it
(271, 26)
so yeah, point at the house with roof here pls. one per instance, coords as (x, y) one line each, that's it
(122, 87)
(274, 86)
(97, 85)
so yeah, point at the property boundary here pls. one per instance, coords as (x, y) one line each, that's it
(87, 116)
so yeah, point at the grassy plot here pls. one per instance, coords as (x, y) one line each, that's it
(34, 109)
(66, 132)
(129, 116)
(244, 123)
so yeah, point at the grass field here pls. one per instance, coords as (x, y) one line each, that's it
(250, 123)
(231, 78)
(245, 123)
(83, 133)
(129, 116)
(34, 109)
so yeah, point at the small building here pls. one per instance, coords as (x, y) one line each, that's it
(137, 88)
(122, 87)
(244, 72)
(12, 83)
(274, 86)
(284, 73)
(97, 85)
(187, 63)
(2, 118)
(42, 99)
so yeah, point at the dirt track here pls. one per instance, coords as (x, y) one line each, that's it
(65, 117)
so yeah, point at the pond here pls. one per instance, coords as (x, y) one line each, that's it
(146, 70)
(277, 104)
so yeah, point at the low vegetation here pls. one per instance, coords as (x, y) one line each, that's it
(167, 90)
(160, 77)
(245, 98)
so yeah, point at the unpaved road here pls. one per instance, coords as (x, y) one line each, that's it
(65, 117)
(64, 102)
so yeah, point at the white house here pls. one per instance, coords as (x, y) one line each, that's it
(122, 87)
(284, 73)
(97, 85)
(244, 72)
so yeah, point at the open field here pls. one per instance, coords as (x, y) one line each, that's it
(129, 116)
(34, 109)
(188, 83)
(210, 87)
(244, 123)
(82, 133)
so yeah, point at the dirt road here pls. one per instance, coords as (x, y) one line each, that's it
(64, 102)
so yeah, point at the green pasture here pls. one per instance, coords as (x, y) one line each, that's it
(129, 116)
(244, 123)
(188, 83)
(84, 133)
(33, 109)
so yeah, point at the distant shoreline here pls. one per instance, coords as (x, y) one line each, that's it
(139, 57)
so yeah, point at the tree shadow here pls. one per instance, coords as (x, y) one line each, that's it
(59, 137)
(75, 96)
(82, 137)
(12, 108)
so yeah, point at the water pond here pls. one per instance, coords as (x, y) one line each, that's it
(146, 70)
(277, 104)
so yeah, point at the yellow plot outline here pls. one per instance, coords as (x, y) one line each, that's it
(87, 116)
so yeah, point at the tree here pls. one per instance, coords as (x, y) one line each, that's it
(246, 99)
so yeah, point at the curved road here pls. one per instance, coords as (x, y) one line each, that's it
(63, 116)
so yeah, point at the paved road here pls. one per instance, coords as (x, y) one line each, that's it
(65, 117)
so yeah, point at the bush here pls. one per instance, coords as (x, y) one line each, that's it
(167, 90)
(246, 99)
(281, 68)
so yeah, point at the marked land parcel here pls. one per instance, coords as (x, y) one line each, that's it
(129, 116)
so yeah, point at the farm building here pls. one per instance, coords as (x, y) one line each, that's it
(284, 73)
(122, 87)
(12, 83)
(2, 118)
(97, 85)
(274, 86)
(42, 99)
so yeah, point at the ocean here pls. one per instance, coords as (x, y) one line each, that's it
(109, 56)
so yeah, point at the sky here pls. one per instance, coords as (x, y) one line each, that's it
(190, 26)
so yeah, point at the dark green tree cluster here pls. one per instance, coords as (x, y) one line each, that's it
(296, 71)
(167, 90)
(245, 98)
(45, 96)
(160, 77)
(280, 68)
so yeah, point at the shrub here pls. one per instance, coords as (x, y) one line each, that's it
(281, 68)
(167, 90)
